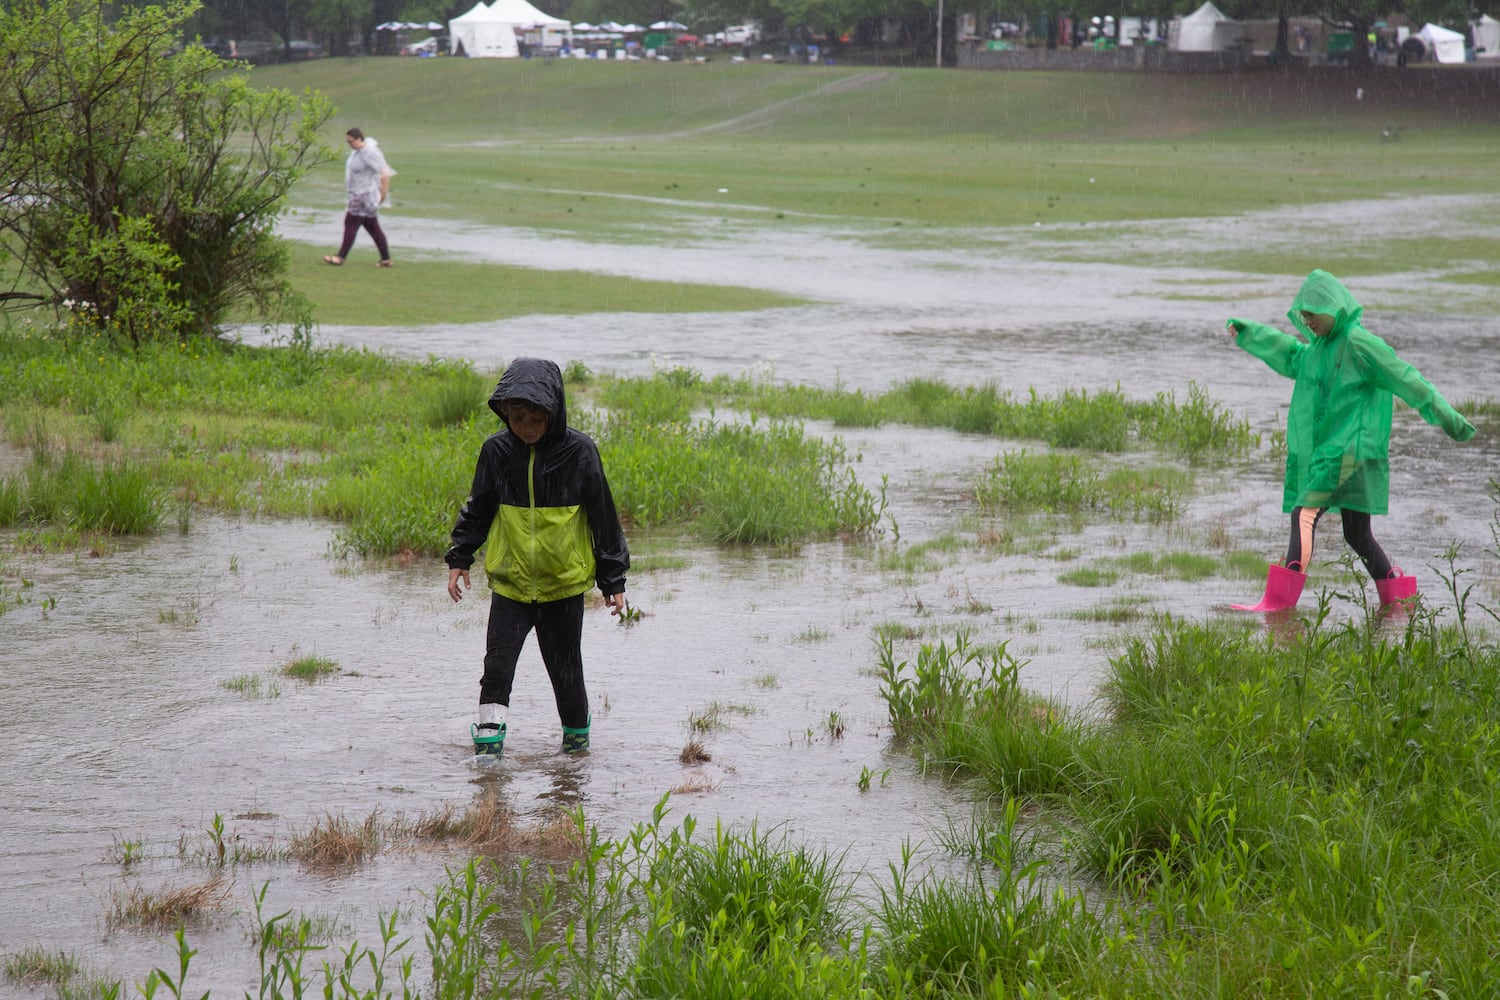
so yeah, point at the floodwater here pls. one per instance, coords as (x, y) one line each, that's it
(119, 727)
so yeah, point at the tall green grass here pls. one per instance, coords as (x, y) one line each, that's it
(1070, 483)
(1310, 811)
(1307, 811)
(660, 912)
(82, 496)
(762, 482)
(1197, 429)
(384, 447)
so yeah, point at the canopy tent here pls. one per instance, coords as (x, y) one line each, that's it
(523, 15)
(1486, 37)
(1207, 29)
(480, 34)
(1445, 45)
(493, 31)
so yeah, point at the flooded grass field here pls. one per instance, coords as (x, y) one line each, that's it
(153, 728)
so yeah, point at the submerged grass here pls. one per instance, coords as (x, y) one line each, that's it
(337, 842)
(167, 906)
(34, 966)
(1309, 811)
(1053, 483)
(309, 669)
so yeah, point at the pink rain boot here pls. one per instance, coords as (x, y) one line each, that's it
(1283, 587)
(1397, 589)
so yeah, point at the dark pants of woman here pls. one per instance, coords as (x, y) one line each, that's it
(352, 223)
(1356, 532)
(559, 634)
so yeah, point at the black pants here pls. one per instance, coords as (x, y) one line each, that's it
(559, 635)
(352, 223)
(1356, 532)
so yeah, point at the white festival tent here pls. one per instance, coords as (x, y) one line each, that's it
(492, 32)
(1207, 29)
(1446, 46)
(523, 15)
(1486, 38)
(480, 35)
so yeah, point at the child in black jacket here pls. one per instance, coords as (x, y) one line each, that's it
(541, 507)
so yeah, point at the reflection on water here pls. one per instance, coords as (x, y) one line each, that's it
(147, 701)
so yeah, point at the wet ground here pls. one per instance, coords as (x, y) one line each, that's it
(120, 728)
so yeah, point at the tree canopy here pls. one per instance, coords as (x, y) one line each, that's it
(343, 25)
(141, 181)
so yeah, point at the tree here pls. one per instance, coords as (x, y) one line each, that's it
(139, 182)
(1358, 17)
(339, 21)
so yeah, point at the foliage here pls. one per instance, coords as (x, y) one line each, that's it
(1106, 421)
(1309, 812)
(1305, 812)
(83, 496)
(741, 483)
(385, 447)
(143, 181)
(1066, 482)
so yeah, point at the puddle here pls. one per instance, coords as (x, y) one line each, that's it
(992, 306)
(130, 734)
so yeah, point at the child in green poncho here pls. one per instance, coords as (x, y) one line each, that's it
(1339, 430)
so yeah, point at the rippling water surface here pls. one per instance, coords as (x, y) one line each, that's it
(119, 727)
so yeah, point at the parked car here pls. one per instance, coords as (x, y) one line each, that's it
(736, 34)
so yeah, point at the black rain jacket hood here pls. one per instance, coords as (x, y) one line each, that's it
(539, 382)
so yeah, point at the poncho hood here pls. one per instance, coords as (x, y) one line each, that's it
(539, 382)
(1325, 294)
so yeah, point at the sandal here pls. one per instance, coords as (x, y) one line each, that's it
(335, 261)
(385, 263)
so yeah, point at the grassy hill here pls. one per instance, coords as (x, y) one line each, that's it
(577, 145)
(654, 152)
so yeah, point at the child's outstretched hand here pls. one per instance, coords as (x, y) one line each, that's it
(1234, 331)
(454, 576)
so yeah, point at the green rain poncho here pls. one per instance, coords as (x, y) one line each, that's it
(1338, 430)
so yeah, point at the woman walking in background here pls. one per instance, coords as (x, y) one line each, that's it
(367, 180)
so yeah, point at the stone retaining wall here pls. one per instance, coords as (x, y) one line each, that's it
(1135, 59)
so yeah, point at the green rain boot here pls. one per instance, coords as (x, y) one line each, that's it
(489, 733)
(576, 740)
